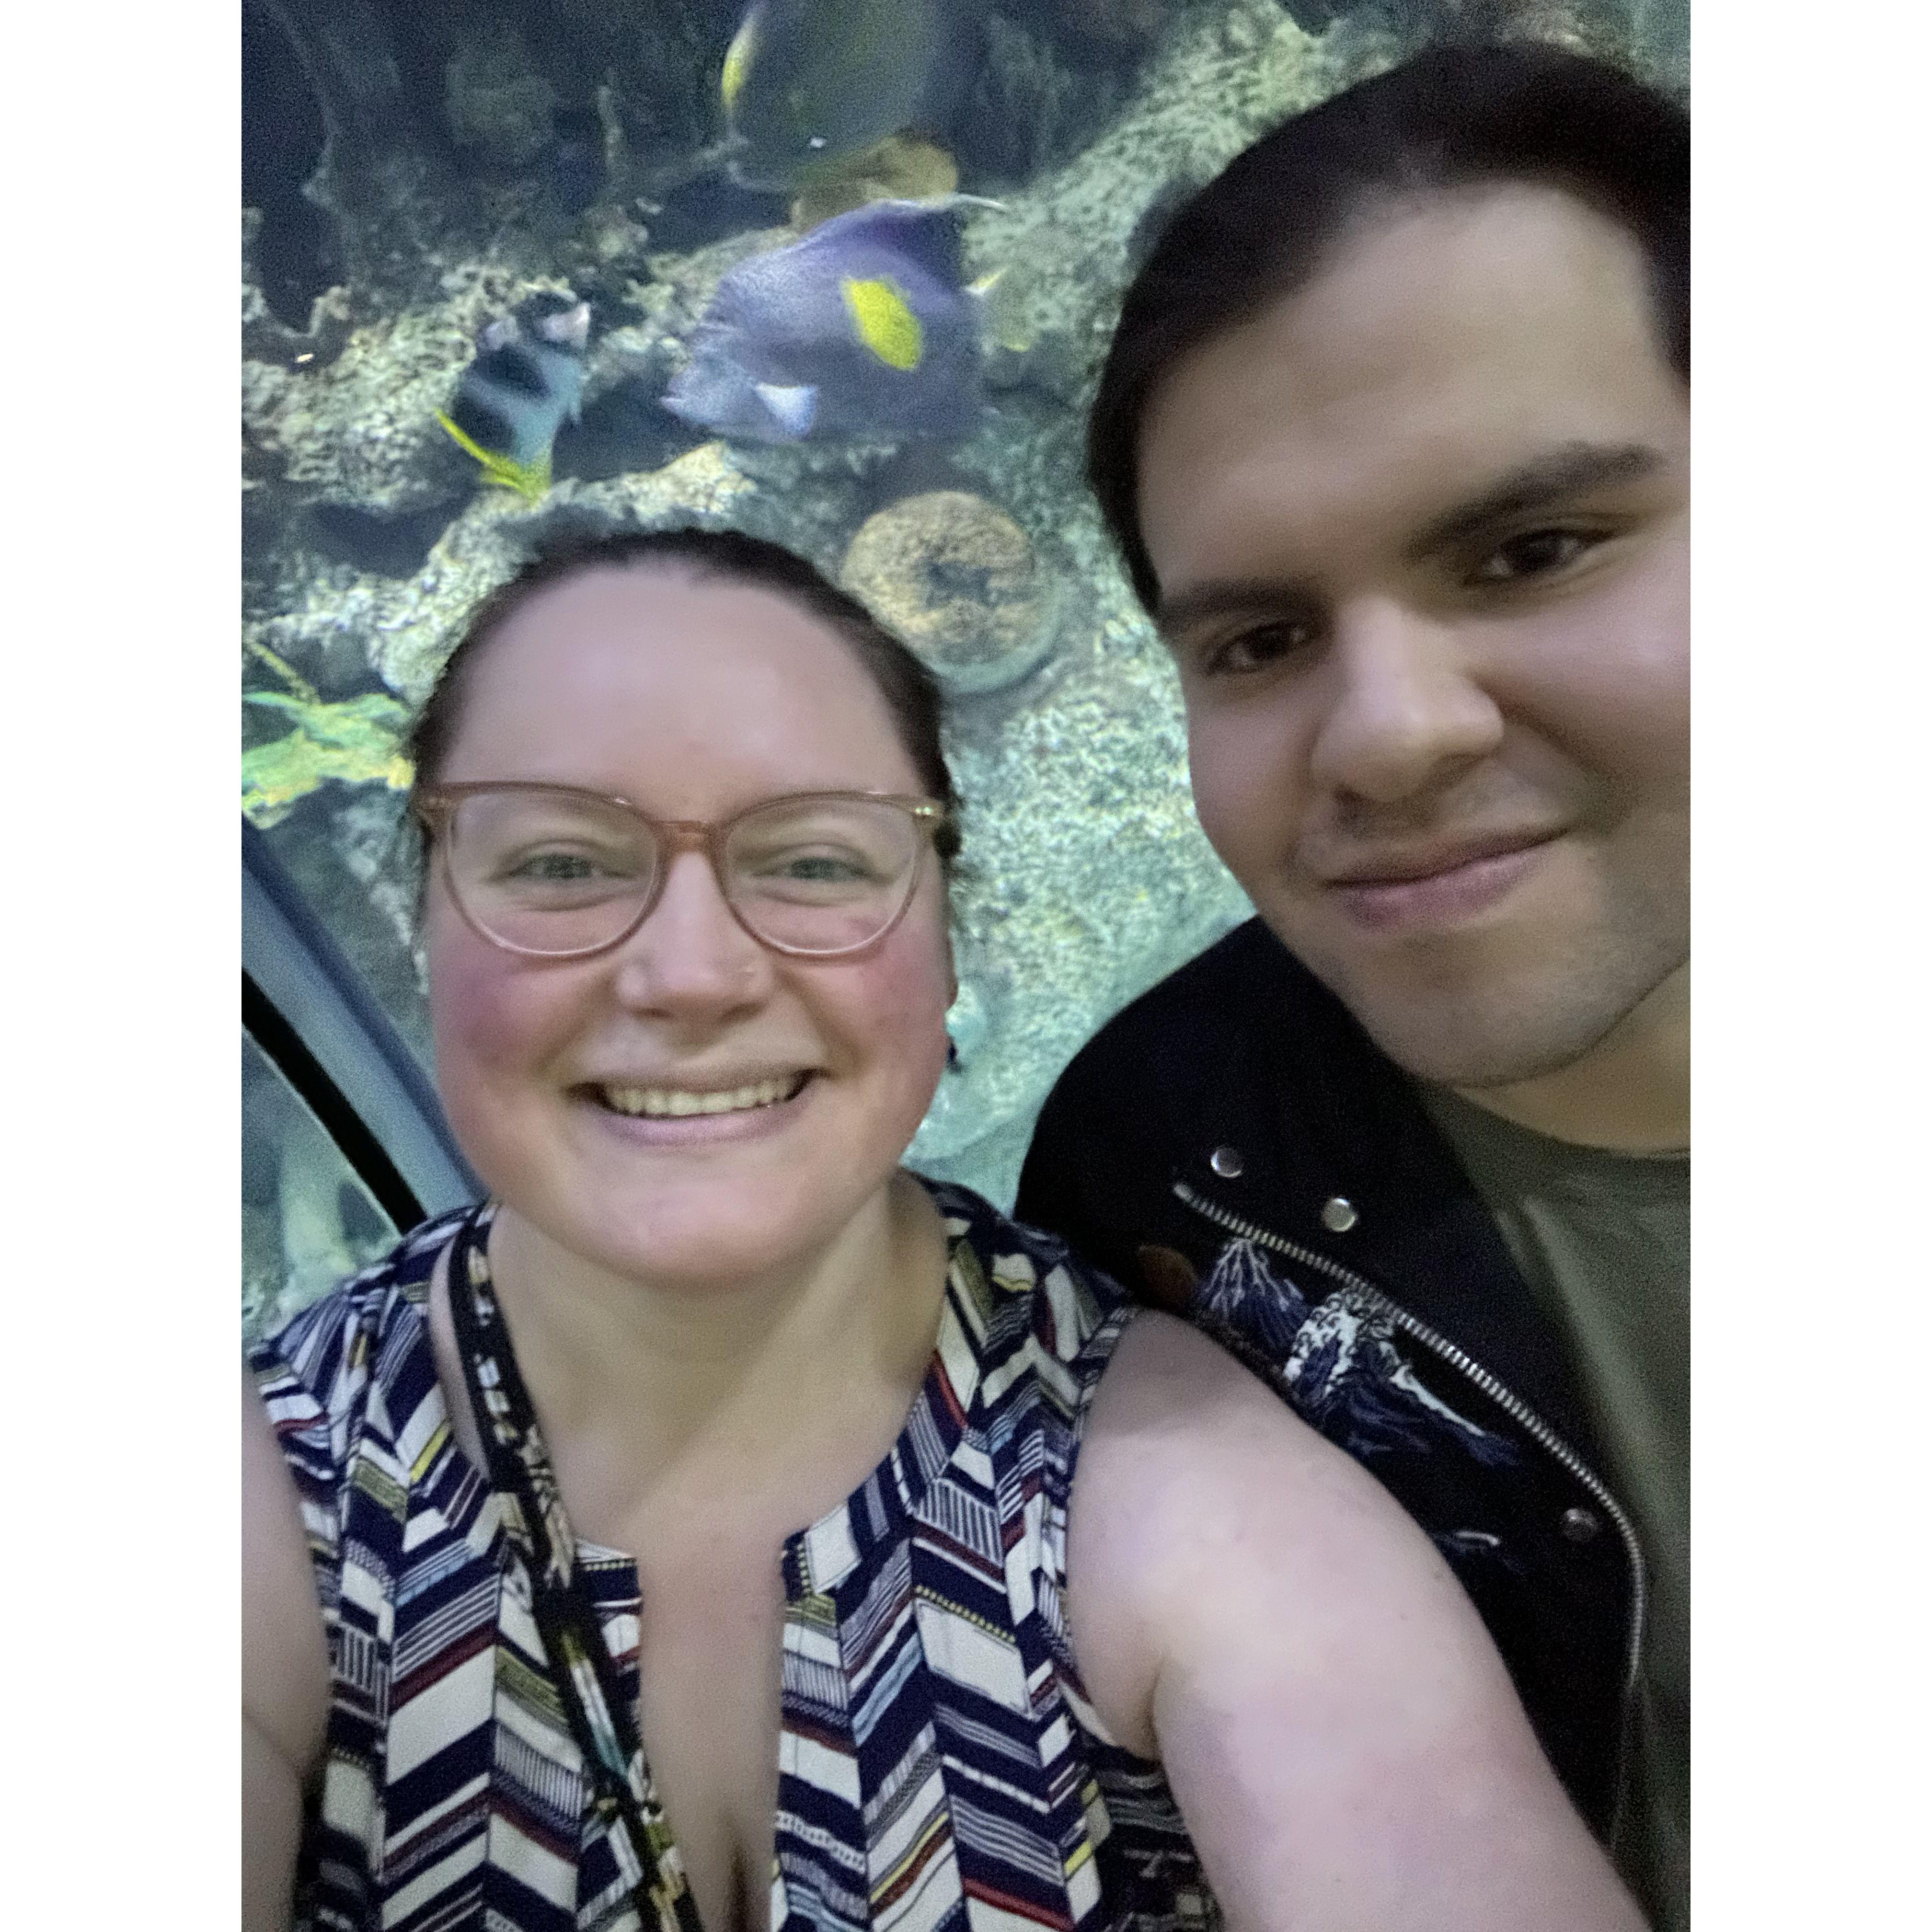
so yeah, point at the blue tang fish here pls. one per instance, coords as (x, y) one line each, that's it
(512, 400)
(861, 329)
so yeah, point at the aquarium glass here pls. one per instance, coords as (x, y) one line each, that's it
(307, 1221)
(414, 175)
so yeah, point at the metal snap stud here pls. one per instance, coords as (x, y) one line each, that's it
(1580, 1525)
(1338, 1214)
(1227, 1162)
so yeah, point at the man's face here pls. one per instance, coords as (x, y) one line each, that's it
(1422, 534)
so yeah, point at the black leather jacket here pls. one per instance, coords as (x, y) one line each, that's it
(1233, 1147)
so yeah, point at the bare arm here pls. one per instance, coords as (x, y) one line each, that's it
(1254, 1610)
(284, 1674)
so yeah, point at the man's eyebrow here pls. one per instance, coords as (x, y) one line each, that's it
(1231, 597)
(1573, 470)
(1545, 482)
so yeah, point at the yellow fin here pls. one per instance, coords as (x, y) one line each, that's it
(527, 479)
(886, 323)
(737, 61)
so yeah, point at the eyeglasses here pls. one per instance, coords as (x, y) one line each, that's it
(559, 873)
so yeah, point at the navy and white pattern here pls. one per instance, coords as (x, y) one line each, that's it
(940, 1767)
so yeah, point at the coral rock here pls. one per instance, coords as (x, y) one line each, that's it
(956, 577)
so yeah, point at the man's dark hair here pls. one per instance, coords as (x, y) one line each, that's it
(910, 692)
(1451, 117)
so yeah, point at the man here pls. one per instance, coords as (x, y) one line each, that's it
(1393, 436)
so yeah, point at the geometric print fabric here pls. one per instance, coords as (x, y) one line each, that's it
(940, 1768)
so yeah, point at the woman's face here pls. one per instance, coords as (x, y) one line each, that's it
(694, 699)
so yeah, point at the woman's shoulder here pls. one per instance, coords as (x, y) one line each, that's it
(370, 1334)
(1030, 1284)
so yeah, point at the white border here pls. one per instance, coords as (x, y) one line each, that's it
(1813, 749)
(1813, 745)
(119, 149)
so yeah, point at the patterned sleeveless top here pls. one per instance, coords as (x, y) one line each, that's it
(941, 1769)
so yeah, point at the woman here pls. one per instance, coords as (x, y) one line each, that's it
(684, 914)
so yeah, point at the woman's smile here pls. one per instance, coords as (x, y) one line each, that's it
(693, 1117)
(678, 1102)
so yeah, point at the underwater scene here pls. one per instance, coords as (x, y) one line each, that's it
(840, 273)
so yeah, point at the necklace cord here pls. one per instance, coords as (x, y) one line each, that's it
(580, 1667)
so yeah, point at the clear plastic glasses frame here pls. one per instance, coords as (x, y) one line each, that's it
(439, 811)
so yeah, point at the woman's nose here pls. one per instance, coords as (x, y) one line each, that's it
(690, 954)
(1407, 712)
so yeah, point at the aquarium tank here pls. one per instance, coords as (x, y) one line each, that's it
(840, 273)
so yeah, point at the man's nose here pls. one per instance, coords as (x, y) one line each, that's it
(691, 956)
(1407, 710)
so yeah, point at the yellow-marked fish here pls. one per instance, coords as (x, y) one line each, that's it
(884, 319)
(862, 329)
(808, 83)
(512, 400)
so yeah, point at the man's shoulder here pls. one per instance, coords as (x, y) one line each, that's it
(1247, 959)
(1242, 1047)
(1242, 1019)
(1243, 989)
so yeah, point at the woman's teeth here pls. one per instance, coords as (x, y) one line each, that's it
(674, 1102)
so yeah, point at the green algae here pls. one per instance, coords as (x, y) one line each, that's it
(356, 740)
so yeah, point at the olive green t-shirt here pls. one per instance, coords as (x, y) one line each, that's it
(1604, 1239)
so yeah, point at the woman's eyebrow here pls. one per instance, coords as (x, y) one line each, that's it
(1545, 482)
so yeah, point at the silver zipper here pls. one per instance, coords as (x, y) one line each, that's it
(1507, 1399)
